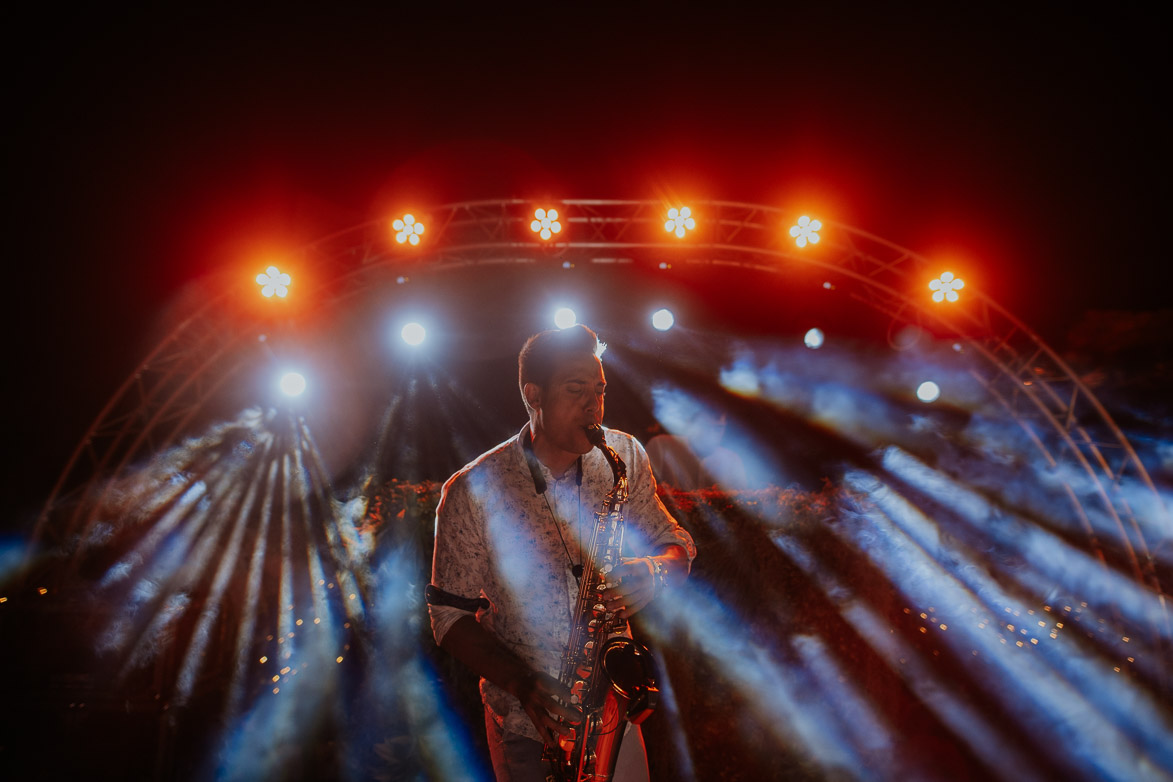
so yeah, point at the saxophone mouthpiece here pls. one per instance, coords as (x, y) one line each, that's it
(594, 434)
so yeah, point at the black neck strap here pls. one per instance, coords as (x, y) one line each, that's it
(535, 471)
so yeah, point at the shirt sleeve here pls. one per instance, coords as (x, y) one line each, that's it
(459, 558)
(650, 527)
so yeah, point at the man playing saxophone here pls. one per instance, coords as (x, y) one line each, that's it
(512, 532)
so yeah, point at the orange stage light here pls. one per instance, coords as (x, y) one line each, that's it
(680, 221)
(545, 223)
(408, 229)
(274, 282)
(945, 288)
(805, 231)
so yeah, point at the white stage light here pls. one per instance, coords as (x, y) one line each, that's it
(662, 320)
(564, 318)
(413, 333)
(928, 391)
(292, 384)
(813, 339)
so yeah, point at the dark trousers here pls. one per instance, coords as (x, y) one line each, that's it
(519, 759)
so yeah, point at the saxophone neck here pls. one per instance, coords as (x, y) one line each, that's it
(618, 494)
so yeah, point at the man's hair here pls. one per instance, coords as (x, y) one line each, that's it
(542, 352)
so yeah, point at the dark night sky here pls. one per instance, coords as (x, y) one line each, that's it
(144, 151)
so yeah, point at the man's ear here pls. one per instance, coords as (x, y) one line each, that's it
(533, 395)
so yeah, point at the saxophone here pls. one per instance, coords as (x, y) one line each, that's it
(610, 677)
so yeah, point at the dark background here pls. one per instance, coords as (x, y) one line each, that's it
(148, 150)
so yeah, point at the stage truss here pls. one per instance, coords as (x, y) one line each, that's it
(157, 404)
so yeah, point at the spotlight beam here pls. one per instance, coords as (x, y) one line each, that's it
(156, 418)
(178, 572)
(771, 688)
(195, 656)
(356, 608)
(245, 638)
(1050, 695)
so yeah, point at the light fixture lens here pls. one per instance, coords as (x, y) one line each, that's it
(413, 334)
(663, 319)
(928, 391)
(292, 384)
(564, 318)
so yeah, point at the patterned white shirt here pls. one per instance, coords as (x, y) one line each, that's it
(499, 539)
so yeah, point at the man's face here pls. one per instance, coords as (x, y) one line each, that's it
(572, 401)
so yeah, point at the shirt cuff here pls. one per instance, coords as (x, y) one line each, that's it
(443, 617)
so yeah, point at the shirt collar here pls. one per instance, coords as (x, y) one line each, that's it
(525, 451)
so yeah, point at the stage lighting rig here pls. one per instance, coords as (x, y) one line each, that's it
(945, 288)
(274, 282)
(680, 221)
(408, 229)
(806, 231)
(545, 223)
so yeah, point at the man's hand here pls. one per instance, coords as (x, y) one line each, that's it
(546, 702)
(544, 699)
(633, 585)
(635, 582)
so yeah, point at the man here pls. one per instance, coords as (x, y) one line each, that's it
(512, 528)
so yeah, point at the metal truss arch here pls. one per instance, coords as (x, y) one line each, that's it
(1031, 381)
